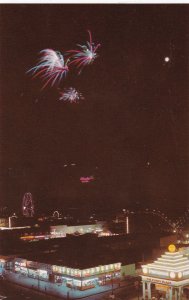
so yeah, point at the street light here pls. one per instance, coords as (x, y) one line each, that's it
(13, 216)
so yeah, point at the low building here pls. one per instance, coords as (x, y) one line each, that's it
(81, 277)
(87, 278)
(63, 230)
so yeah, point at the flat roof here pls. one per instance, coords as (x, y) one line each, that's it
(74, 223)
(71, 260)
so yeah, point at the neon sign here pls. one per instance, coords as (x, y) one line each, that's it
(86, 179)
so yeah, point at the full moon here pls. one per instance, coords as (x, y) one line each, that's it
(166, 59)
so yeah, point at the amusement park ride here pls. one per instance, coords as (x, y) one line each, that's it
(27, 205)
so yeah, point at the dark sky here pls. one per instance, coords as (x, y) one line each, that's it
(130, 132)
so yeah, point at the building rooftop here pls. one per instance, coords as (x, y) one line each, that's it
(73, 259)
(173, 264)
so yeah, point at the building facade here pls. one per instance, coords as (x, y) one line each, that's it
(63, 230)
(80, 279)
(169, 274)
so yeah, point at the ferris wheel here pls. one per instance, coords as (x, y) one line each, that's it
(56, 214)
(27, 205)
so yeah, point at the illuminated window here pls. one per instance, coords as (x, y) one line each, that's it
(42, 273)
(118, 265)
(75, 272)
(55, 269)
(68, 270)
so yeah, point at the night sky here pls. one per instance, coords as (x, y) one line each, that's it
(130, 132)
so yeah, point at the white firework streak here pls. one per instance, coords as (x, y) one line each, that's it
(51, 67)
(71, 95)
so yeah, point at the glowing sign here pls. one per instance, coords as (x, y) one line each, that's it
(86, 179)
(159, 281)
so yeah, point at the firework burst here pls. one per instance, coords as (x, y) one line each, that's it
(51, 67)
(71, 95)
(85, 56)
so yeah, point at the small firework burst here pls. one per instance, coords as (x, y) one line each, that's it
(71, 95)
(85, 56)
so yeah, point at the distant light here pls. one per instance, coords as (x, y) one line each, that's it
(166, 59)
(11, 228)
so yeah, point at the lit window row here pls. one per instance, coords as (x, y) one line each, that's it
(65, 270)
(86, 272)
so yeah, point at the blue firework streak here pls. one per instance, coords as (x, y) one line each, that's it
(51, 68)
(71, 95)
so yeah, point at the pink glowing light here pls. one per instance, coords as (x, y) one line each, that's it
(86, 179)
